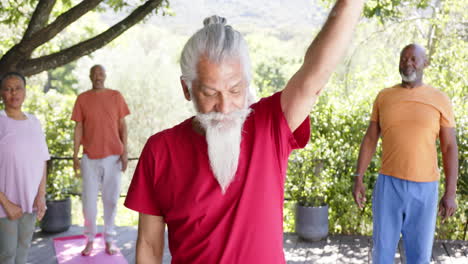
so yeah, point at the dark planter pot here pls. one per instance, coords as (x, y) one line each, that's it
(312, 222)
(57, 217)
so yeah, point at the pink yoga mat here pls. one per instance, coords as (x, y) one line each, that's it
(68, 251)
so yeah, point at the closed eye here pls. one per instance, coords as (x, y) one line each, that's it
(235, 91)
(209, 91)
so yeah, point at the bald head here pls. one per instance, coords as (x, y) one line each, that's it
(95, 67)
(413, 60)
(414, 49)
(97, 74)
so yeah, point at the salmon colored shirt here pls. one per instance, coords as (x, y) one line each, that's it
(100, 113)
(410, 121)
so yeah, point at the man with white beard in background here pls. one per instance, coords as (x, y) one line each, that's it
(217, 179)
(409, 117)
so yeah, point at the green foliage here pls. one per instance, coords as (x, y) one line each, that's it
(391, 9)
(323, 170)
(341, 117)
(307, 186)
(272, 75)
(385, 10)
(125, 216)
(62, 80)
(15, 12)
(54, 111)
(18, 12)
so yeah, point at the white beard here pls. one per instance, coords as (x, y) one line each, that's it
(223, 136)
(409, 78)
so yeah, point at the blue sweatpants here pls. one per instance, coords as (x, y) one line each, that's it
(407, 208)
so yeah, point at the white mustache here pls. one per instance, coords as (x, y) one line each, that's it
(219, 120)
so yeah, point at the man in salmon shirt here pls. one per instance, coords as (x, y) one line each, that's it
(99, 114)
(409, 117)
(217, 179)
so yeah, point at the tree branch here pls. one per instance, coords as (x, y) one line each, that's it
(40, 17)
(22, 51)
(50, 31)
(34, 66)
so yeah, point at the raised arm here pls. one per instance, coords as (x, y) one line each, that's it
(367, 150)
(449, 148)
(320, 60)
(150, 242)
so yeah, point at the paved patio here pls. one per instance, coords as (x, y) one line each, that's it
(336, 249)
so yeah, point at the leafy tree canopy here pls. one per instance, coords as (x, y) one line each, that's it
(27, 29)
(386, 10)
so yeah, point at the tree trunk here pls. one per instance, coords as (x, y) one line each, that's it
(434, 32)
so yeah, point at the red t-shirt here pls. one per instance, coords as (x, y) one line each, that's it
(173, 179)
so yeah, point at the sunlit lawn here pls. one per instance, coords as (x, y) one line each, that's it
(124, 217)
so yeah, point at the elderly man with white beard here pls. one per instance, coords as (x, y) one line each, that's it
(217, 179)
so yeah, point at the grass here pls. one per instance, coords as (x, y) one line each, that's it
(124, 217)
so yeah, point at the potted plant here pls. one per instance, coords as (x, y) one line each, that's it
(306, 186)
(60, 184)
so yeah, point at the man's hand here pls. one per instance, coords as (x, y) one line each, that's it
(359, 193)
(13, 211)
(124, 159)
(76, 166)
(447, 206)
(40, 206)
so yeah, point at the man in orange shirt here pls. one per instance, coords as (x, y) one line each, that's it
(100, 127)
(409, 117)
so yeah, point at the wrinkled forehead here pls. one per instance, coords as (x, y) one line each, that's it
(228, 68)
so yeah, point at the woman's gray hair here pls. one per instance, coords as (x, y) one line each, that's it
(217, 41)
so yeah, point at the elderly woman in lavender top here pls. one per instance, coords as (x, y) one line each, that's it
(23, 156)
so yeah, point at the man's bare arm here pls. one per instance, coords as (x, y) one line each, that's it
(320, 61)
(150, 242)
(78, 135)
(367, 150)
(123, 137)
(449, 148)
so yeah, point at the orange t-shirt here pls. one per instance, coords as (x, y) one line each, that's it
(100, 113)
(410, 121)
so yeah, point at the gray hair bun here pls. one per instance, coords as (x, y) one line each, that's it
(214, 20)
